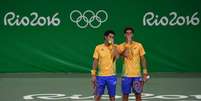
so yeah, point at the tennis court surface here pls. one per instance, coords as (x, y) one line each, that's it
(77, 87)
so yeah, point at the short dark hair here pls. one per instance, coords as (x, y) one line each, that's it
(128, 28)
(109, 32)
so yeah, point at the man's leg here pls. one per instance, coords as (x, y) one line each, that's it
(97, 98)
(138, 97)
(112, 98)
(138, 88)
(111, 87)
(100, 87)
(126, 84)
(125, 97)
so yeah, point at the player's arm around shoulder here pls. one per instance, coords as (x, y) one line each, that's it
(115, 51)
(123, 50)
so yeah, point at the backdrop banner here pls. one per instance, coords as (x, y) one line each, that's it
(60, 36)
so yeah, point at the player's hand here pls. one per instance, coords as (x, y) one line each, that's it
(129, 38)
(146, 77)
(93, 81)
(126, 53)
(111, 41)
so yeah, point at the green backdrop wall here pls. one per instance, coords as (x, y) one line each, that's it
(39, 36)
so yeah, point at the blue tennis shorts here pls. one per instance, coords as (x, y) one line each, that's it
(106, 81)
(134, 83)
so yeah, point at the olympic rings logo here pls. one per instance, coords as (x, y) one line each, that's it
(88, 18)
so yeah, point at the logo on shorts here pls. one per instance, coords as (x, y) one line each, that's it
(88, 18)
(114, 83)
(137, 86)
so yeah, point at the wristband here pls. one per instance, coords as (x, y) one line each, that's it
(145, 71)
(93, 72)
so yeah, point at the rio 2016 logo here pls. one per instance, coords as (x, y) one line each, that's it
(152, 19)
(86, 19)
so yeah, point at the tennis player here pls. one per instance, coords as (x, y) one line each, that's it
(133, 56)
(104, 67)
